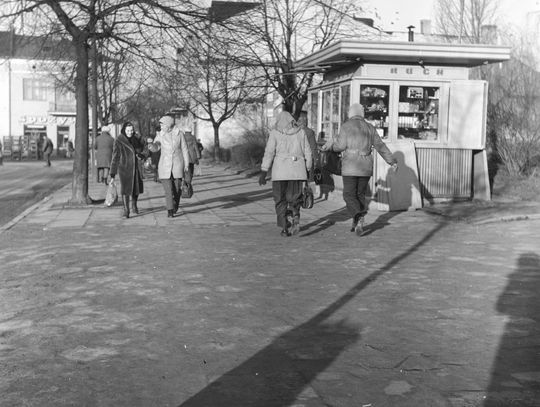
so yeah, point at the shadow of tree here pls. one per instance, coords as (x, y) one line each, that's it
(276, 375)
(515, 377)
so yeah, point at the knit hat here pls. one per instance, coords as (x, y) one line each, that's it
(166, 121)
(356, 109)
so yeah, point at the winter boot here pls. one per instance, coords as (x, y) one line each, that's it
(125, 210)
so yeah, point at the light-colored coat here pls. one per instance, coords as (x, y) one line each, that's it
(174, 153)
(355, 140)
(288, 153)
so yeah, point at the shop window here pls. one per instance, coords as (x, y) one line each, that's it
(418, 116)
(345, 102)
(314, 111)
(375, 100)
(35, 89)
(332, 111)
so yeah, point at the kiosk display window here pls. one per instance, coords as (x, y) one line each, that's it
(375, 100)
(418, 112)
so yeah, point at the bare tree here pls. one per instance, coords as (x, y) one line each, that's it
(279, 32)
(514, 110)
(212, 84)
(133, 25)
(465, 19)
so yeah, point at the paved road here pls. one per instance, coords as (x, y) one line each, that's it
(24, 183)
(214, 308)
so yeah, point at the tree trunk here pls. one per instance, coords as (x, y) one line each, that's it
(79, 185)
(217, 148)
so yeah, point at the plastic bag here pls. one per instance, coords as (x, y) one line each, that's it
(112, 194)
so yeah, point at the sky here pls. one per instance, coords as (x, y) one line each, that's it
(396, 15)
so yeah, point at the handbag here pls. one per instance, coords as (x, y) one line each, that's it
(112, 194)
(331, 161)
(186, 190)
(307, 197)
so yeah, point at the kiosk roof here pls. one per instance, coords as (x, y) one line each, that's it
(344, 52)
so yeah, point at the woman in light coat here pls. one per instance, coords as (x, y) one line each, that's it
(289, 154)
(173, 161)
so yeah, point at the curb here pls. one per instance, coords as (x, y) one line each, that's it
(511, 218)
(24, 214)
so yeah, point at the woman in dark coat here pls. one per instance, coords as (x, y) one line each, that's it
(127, 151)
(104, 146)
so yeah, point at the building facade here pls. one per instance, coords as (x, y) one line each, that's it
(32, 104)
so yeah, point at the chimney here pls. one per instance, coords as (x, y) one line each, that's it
(411, 33)
(425, 27)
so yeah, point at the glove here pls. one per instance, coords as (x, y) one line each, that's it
(262, 178)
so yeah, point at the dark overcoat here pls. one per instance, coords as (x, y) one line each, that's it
(126, 164)
(104, 146)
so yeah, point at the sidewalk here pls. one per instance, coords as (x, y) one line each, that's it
(214, 308)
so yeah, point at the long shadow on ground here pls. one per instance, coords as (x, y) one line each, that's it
(276, 375)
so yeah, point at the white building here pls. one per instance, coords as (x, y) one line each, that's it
(31, 105)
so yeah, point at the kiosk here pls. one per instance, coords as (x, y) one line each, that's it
(423, 105)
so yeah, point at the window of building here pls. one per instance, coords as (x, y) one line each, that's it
(376, 99)
(335, 103)
(35, 89)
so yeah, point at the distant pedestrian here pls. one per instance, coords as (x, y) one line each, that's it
(173, 161)
(70, 149)
(303, 123)
(194, 154)
(288, 152)
(1, 154)
(127, 152)
(104, 147)
(47, 151)
(355, 140)
(200, 147)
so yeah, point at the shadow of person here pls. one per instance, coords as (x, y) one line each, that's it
(515, 375)
(401, 190)
(325, 222)
(379, 223)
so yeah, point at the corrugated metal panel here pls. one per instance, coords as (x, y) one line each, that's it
(445, 173)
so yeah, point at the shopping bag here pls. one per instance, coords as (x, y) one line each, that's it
(307, 197)
(331, 161)
(112, 195)
(187, 190)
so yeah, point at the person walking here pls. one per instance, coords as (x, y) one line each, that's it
(288, 152)
(47, 151)
(194, 154)
(356, 139)
(173, 161)
(104, 147)
(126, 153)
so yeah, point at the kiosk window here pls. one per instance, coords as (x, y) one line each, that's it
(418, 112)
(331, 112)
(375, 99)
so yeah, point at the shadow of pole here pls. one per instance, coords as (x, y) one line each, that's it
(276, 375)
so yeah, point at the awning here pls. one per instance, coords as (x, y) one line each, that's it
(344, 52)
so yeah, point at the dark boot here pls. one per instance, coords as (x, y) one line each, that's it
(170, 213)
(125, 202)
(134, 207)
(295, 228)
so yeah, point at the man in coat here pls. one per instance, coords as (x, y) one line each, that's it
(288, 152)
(355, 140)
(104, 147)
(194, 154)
(47, 151)
(173, 161)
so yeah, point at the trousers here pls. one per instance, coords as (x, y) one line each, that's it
(287, 196)
(354, 194)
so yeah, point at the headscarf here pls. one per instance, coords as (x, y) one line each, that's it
(356, 109)
(284, 122)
